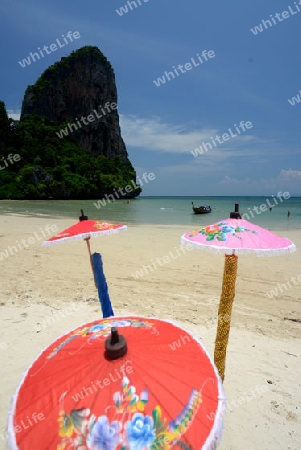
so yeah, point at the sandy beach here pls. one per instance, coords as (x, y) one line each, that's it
(263, 370)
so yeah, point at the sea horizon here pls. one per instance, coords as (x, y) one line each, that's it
(167, 210)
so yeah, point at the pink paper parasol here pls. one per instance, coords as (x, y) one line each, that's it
(238, 236)
(233, 237)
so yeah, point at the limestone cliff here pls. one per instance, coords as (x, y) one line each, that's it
(64, 154)
(74, 88)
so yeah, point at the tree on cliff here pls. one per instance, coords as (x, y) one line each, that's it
(53, 168)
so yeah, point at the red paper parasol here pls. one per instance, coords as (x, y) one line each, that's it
(153, 387)
(85, 229)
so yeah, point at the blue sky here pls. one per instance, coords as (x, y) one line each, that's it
(250, 78)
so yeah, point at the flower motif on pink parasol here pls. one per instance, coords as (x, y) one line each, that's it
(221, 230)
(238, 236)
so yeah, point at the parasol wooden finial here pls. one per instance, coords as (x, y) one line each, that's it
(116, 345)
(82, 217)
(236, 214)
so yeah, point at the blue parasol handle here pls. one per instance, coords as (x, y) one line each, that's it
(102, 287)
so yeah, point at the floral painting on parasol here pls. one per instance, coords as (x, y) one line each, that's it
(101, 390)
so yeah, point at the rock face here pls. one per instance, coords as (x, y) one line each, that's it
(71, 90)
(3, 127)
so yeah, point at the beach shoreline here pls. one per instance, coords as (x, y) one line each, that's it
(168, 211)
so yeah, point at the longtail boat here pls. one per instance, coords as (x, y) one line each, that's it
(201, 209)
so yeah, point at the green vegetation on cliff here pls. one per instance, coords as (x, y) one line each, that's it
(54, 168)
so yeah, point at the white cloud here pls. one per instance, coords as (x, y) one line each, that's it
(290, 174)
(236, 182)
(14, 114)
(286, 180)
(154, 134)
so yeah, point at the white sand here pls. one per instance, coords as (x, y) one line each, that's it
(38, 283)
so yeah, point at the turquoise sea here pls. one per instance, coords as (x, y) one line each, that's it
(166, 210)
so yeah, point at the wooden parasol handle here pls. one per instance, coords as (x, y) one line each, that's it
(91, 262)
(224, 313)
